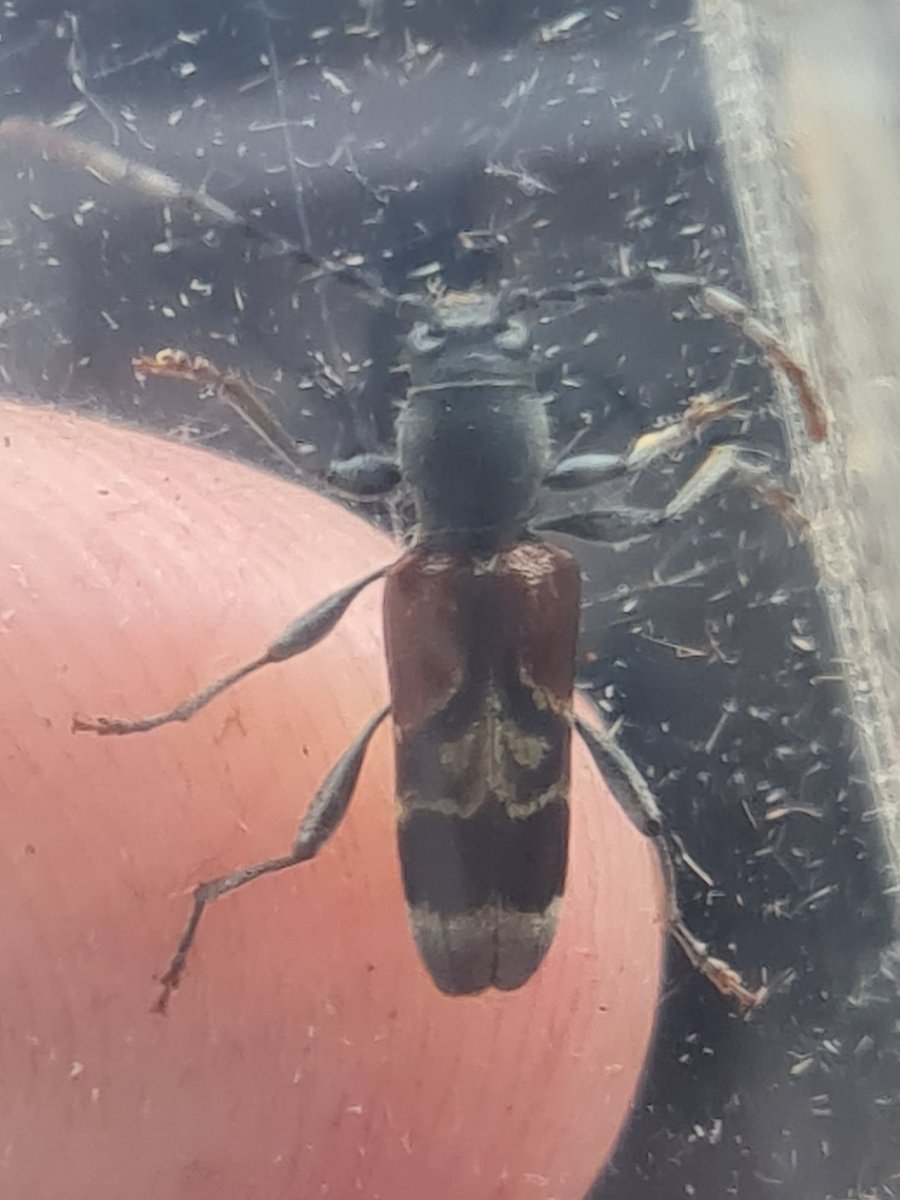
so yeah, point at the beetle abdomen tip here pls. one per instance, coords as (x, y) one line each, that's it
(492, 946)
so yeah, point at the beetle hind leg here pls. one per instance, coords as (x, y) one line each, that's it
(633, 794)
(723, 466)
(321, 820)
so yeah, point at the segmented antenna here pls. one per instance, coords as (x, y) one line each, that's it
(115, 169)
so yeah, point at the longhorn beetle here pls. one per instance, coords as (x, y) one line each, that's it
(481, 612)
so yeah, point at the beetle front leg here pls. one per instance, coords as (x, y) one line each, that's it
(633, 794)
(233, 390)
(326, 812)
(364, 477)
(735, 312)
(299, 636)
(723, 304)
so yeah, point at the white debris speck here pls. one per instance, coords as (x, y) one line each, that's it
(559, 29)
(336, 82)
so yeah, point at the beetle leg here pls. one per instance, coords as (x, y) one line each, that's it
(723, 304)
(322, 818)
(633, 794)
(364, 476)
(234, 391)
(610, 526)
(728, 463)
(299, 636)
(724, 464)
(573, 471)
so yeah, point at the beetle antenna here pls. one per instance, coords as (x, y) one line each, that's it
(115, 169)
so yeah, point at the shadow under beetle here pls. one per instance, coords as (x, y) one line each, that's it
(481, 612)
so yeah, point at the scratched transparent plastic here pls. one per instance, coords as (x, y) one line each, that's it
(561, 140)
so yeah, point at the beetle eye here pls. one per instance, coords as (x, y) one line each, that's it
(513, 337)
(425, 340)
